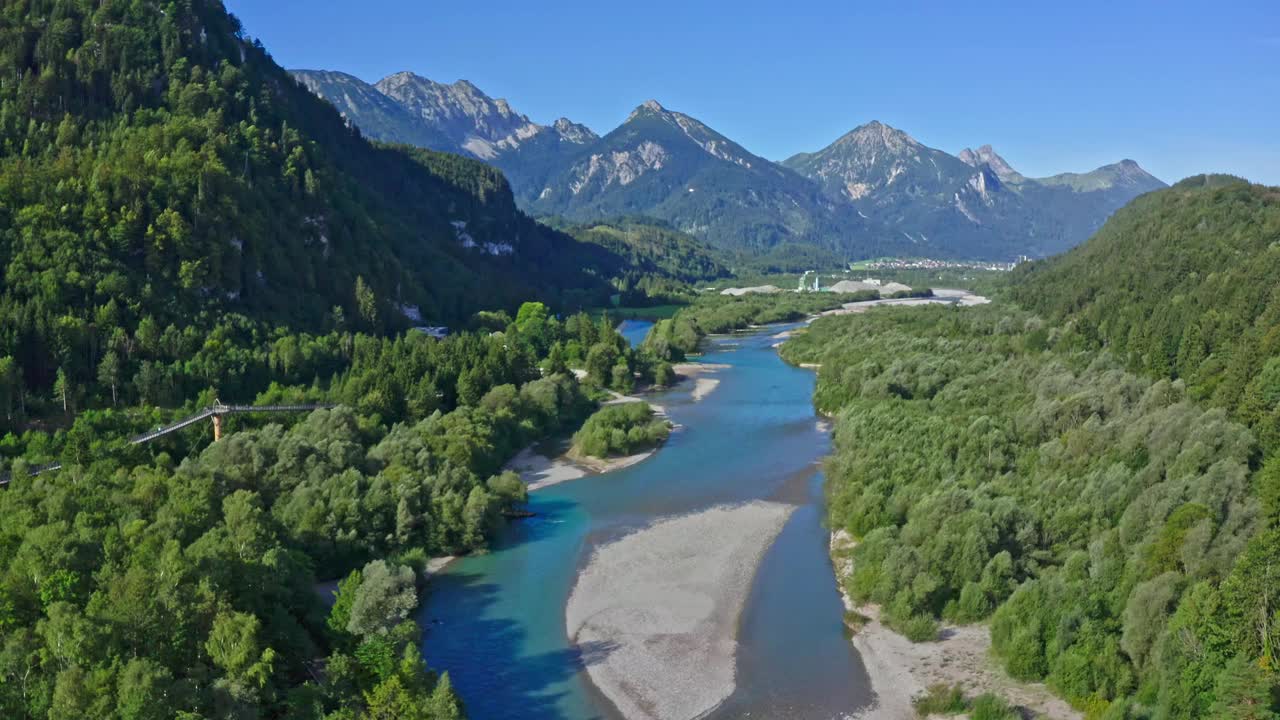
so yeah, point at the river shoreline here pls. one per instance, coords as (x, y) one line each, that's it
(539, 469)
(901, 670)
(509, 637)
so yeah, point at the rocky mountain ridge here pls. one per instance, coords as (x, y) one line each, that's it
(874, 190)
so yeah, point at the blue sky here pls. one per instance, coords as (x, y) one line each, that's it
(1181, 87)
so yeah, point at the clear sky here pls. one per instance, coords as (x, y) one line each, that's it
(1182, 87)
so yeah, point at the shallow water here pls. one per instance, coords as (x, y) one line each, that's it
(496, 622)
(634, 330)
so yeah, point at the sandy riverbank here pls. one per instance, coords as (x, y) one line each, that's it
(691, 369)
(600, 466)
(539, 471)
(901, 670)
(656, 612)
(702, 385)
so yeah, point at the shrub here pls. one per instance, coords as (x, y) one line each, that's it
(992, 707)
(941, 699)
(854, 621)
(920, 628)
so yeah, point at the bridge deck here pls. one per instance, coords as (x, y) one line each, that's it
(205, 414)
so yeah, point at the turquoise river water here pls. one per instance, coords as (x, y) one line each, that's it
(496, 622)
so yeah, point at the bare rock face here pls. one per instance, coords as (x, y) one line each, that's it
(986, 155)
(974, 200)
(461, 111)
(674, 167)
(878, 167)
(619, 167)
(872, 188)
(570, 131)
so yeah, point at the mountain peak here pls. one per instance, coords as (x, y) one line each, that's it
(1130, 171)
(402, 77)
(473, 121)
(878, 134)
(1125, 173)
(573, 132)
(986, 155)
(649, 107)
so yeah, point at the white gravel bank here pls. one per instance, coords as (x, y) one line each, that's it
(656, 612)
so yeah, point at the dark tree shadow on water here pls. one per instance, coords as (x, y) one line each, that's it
(485, 657)
(548, 513)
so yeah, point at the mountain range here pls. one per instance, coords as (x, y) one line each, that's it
(874, 191)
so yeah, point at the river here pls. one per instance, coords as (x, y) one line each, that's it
(496, 622)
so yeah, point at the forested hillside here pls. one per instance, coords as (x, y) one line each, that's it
(158, 169)
(1182, 283)
(653, 249)
(178, 579)
(181, 221)
(1099, 480)
(1105, 524)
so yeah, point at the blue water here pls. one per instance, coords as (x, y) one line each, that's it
(634, 330)
(496, 622)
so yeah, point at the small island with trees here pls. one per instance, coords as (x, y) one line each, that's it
(619, 430)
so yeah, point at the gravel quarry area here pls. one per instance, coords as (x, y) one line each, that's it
(755, 289)
(655, 613)
(941, 296)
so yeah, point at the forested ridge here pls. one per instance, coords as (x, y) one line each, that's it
(1181, 283)
(157, 168)
(1104, 523)
(1098, 481)
(650, 247)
